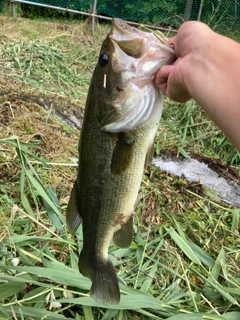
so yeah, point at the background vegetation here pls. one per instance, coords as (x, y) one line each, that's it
(223, 16)
(184, 261)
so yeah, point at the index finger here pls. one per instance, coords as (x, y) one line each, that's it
(171, 41)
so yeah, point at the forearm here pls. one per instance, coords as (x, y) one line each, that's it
(214, 82)
(208, 70)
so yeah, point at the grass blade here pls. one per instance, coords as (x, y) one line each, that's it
(147, 283)
(203, 256)
(183, 245)
(88, 313)
(208, 290)
(55, 219)
(218, 288)
(36, 313)
(235, 220)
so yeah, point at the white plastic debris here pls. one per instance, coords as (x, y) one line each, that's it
(15, 262)
(53, 304)
(67, 294)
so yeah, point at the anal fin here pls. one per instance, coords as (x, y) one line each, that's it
(73, 216)
(123, 237)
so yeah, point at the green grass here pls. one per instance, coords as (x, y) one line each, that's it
(184, 261)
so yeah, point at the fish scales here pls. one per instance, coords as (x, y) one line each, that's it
(121, 118)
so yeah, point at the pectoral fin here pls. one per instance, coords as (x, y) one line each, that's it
(122, 154)
(123, 237)
(73, 215)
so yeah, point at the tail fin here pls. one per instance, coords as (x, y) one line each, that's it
(105, 288)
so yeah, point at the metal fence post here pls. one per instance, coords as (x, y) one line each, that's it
(13, 6)
(94, 11)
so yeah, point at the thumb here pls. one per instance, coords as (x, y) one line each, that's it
(162, 77)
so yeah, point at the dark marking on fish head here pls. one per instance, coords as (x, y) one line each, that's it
(119, 89)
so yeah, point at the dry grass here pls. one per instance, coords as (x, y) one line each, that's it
(162, 272)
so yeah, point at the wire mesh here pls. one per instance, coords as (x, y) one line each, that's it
(4, 6)
(69, 4)
(221, 15)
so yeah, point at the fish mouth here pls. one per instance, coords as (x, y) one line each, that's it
(139, 51)
(135, 42)
(126, 38)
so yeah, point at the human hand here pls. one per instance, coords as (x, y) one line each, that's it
(191, 45)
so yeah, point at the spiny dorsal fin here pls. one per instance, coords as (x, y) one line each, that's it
(122, 154)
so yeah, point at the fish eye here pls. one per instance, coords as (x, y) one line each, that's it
(103, 59)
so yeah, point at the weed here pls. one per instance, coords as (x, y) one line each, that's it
(184, 260)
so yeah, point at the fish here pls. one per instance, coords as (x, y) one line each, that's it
(121, 118)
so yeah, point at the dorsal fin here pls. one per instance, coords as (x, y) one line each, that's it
(73, 215)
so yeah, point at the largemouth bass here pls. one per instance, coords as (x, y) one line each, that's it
(121, 118)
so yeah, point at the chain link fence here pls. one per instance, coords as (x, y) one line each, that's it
(221, 15)
(3, 7)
